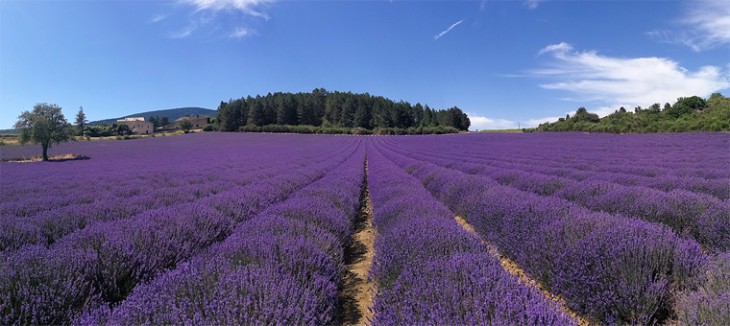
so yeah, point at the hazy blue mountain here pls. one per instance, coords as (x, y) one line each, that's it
(171, 114)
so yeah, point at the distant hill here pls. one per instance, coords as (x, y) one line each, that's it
(171, 114)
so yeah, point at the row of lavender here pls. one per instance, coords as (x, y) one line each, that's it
(700, 155)
(695, 162)
(41, 205)
(282, 262)
(702, 216)
(429, 270)
(609, 268)
(103, 262)
(280, 267)
(57, 221)
(716, 187)
(132, 167)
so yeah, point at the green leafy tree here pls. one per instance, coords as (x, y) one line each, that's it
(45, 125)
(686, 105)
(231, 115)
(155, 121)
(121, 129)
(186, 125)
(81, 121)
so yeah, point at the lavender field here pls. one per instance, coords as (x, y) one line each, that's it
(238, 228)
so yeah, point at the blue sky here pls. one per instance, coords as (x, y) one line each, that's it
(502, 62)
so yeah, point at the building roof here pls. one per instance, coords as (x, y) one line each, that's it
(131, 119)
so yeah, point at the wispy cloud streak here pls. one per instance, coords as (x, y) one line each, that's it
(158, 18)
(209, 17)
(444, 32)
(239, 32)
(532, 4)
(248, 7)
(185, 32)
(705, 25)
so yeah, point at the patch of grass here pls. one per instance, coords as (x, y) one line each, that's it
(9, 140)
(502, 130)
(52, 158)
(129, 137)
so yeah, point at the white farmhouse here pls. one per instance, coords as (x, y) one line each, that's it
(138, 125)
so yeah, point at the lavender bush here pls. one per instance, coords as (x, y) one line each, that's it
(224, 228)
(710, 304)
(119, 249)
(676, 207)
(281, 266)
(431, 271)
(610, 268)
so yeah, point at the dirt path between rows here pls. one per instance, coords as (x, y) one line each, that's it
(511, 267)
(358, 292)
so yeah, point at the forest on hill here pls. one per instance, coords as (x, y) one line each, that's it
(686, 114)
(322, 111)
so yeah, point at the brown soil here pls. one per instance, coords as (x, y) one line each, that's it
(357, 291)
(511, 267)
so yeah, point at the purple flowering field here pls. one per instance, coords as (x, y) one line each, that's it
(240, 228)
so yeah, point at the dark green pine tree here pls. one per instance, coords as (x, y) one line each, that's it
(362, 117)
(428, 119)
(257, 114)
(348, 111)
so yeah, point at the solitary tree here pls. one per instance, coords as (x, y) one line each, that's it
(155, 121)
(81, 121)
(45, 125)
(186, 125)
(121, 129)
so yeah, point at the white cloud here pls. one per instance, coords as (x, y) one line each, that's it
(710, 22)
(603, 111)
(485, 123)
(158, 18)
(613, 82)
(439, 35)
(532, 4)
(705, 25)
(185, 32)
(206, 14)
(532, 123)
(248, 7)
(560, 47)
(239, 32)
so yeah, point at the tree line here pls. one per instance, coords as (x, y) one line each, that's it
(323, 111)
(686, 114)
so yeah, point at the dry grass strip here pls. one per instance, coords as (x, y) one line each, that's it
(358, 291)
(511, 267)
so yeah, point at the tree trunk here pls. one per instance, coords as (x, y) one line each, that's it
(45, 151)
